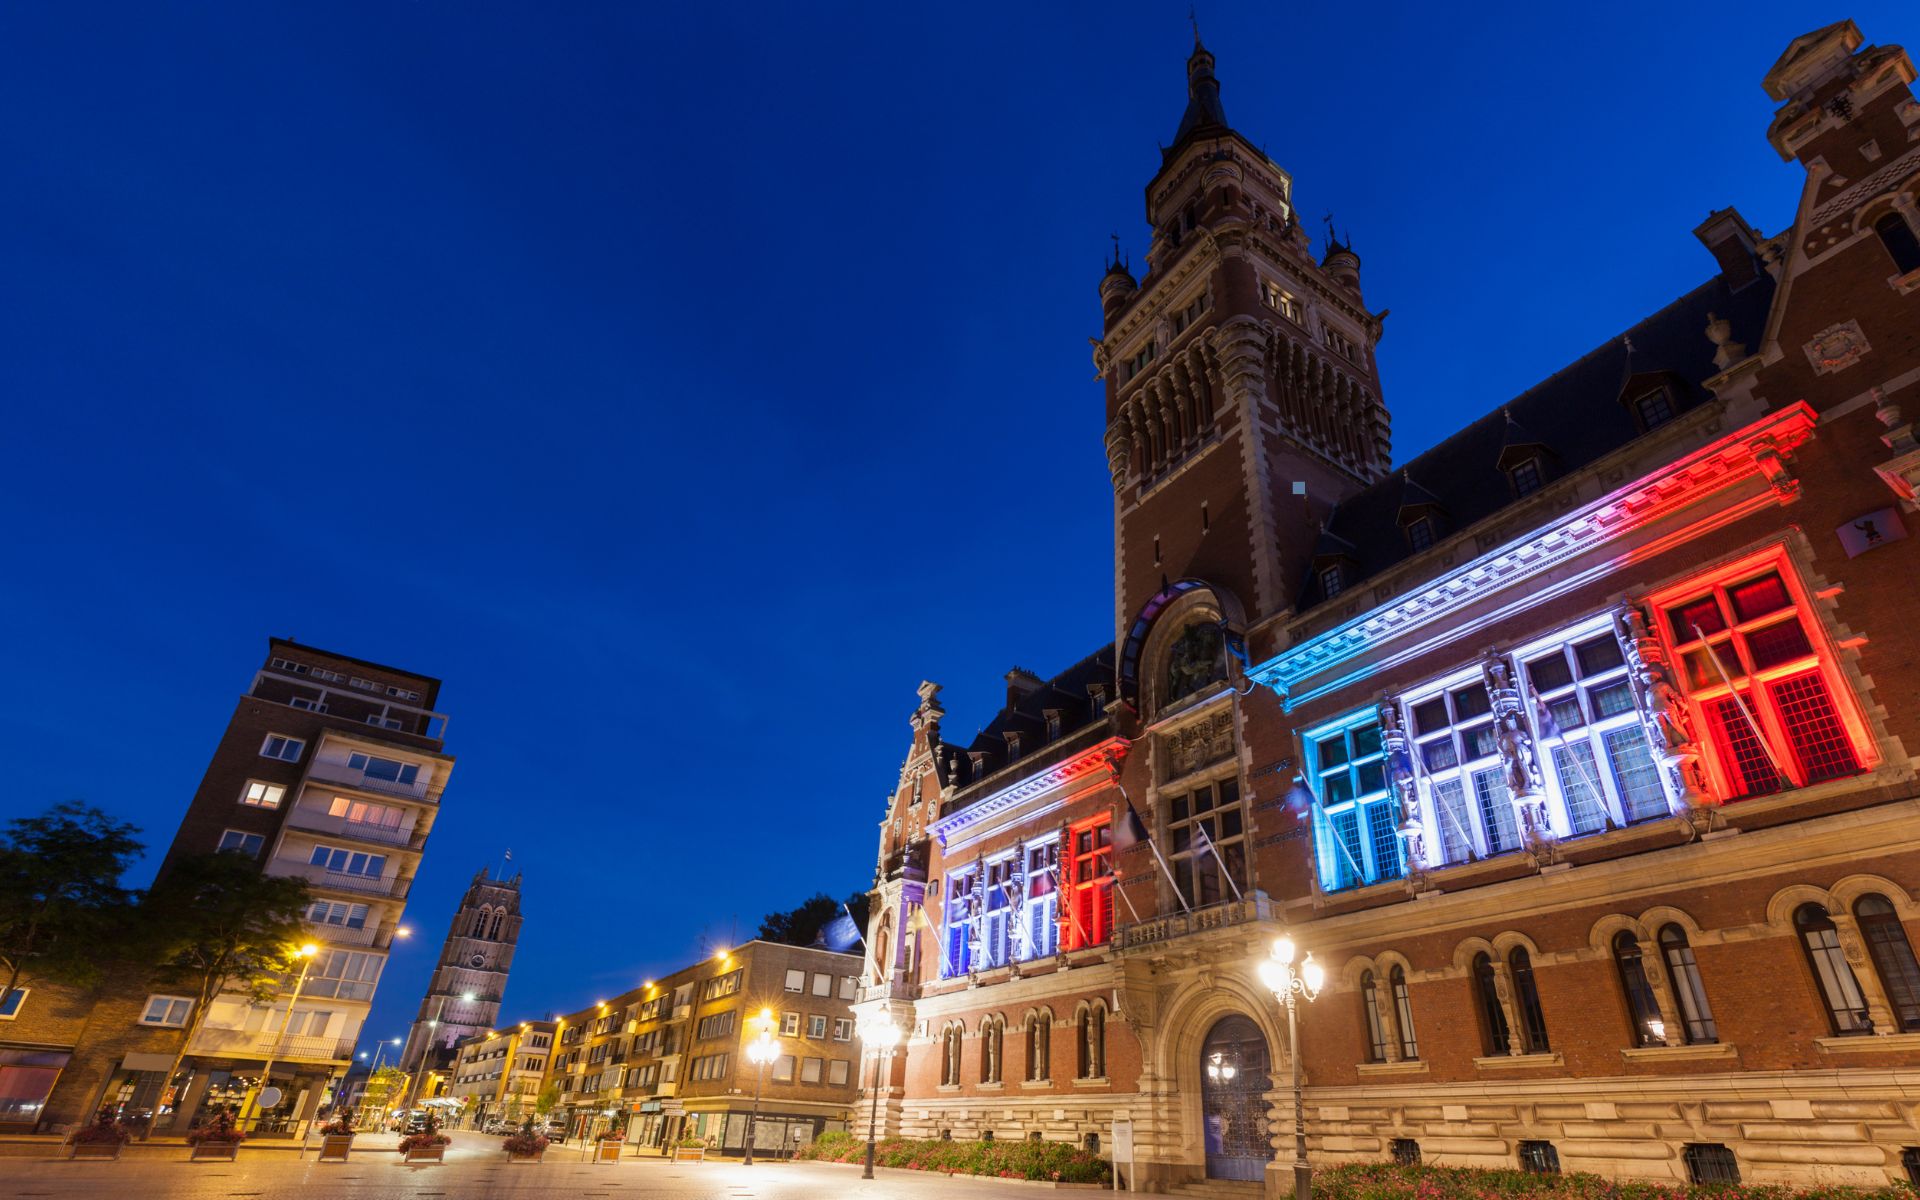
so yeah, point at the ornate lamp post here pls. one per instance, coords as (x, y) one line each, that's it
(1288, 987)
(761, 1051)
(879, 1035)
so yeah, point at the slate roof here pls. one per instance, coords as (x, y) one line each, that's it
(1578, 414)
(1204, 114)
(1027, 715)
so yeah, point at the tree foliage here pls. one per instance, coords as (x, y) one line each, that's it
(62, 909)
(800, 926)
(383, 1087)
(548, 1097)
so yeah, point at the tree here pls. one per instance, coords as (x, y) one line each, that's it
(215, 925)
(383, 1086)
(548, 1097)
(800, 926)
(62, 908)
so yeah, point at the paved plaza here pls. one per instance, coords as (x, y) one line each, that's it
(476, 1167)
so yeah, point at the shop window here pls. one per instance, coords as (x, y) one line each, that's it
(1839, 991)
(1746, 652)
(1688, 990)
(1355, 820)
(1090, 884)
(1892, 954)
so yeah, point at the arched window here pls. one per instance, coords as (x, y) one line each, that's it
(1403, 1015)
(1839, 990)
(1493, 1017)
(1039, 1045)
(1093, 1041)
(1643, 1011)
(499, 918)
(991, 1044)
(1687, 988)
(479, 927)
(1526, 998)
(1370, 1007)
(1892, 957)
(950, 1056)
(1898, 237)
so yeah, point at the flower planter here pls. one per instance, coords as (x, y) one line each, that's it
(333, 1148)
(106, 1150)
(212, 1151)
(426, 1154)
(530, 1157)
(689, 1153)
(608, 1151)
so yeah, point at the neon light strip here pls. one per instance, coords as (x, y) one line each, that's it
(1012, 805)
(1653, 498)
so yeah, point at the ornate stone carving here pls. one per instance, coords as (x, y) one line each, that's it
(1518, 755)
(1837, 347)
(1194, 746)
(1399, 750)
(1664, 712)
(1773, 464)
(1726, 351)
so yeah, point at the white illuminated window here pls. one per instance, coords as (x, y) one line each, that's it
(263, 795)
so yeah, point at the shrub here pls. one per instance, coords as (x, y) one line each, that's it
(1056, 1161)
(106, 1130)
(340, 1126)
(220, 1129)
(1387, 1181)
(526, 1141)
(428, 1136)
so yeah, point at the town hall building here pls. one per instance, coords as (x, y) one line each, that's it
(1577, 750)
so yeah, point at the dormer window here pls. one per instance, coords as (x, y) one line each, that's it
(1013, 746)
(1333, 580)
(1053, 724)
(1653, 408)
(1526, 477)
(1898, 237)
(1420, 533)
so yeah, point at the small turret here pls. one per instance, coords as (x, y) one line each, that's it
(1117, 286)
(1341, 262)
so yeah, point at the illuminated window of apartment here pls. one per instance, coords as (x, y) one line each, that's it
(381, 817)
(1746, 651)
(1526, 477)
(170, 1011)
(1604, 774)
(263, 795)
(1206, 832)
(1459, 755)
(1090, 884)
(1040, 928)
(1333, 581)
(10, 1007)
(1653, 408)
(790, 1024)
(1355, 820)
(816, 1027)
(1280, 300)
(1420, 533)
(796, 981)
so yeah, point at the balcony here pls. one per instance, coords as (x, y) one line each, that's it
(897, 988)
(239, 1043)
(1158, 930)
(314, 821)
(347, 935)
(346, 776)
(336, 881)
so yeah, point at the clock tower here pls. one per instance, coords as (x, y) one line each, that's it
(464, 994)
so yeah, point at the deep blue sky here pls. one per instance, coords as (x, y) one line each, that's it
(683, 384)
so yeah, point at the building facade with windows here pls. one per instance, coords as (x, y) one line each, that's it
(469, 981)
(1576, 749)
(668, 1058)
(332, 770)
(499, 1073)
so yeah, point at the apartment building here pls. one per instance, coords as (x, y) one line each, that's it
(668, 1057)
(331, 770)
(501, 1071)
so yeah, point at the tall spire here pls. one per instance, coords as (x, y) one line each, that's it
(1204, 114)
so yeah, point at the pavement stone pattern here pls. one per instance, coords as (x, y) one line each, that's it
(477, 1167)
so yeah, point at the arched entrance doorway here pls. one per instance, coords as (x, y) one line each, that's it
(1233, 1108)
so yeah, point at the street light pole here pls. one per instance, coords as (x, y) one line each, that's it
(305, 954)
(763, 1050)
(1289, 986)
(879, 1034)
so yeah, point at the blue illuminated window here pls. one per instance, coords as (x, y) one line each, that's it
(1356, 819)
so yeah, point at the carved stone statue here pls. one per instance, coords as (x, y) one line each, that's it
(1663, 710)
(1519, 761)
(1196, 660)
(1399, 749)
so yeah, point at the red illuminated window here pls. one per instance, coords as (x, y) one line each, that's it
(1088, 920)
(1777, 714)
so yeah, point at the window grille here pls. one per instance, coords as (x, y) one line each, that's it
(1539, 1158)
(1910, 1160)
(1892, 956)
(1711, 1162)
(1370, 1006)
(1405, 1151)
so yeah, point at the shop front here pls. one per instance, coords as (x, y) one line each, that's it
(27, 1076)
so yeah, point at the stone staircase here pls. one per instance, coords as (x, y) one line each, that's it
(1218, 1189)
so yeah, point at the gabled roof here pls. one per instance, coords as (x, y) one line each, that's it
(1810, 54)
(1576, 414)
(1067, 693)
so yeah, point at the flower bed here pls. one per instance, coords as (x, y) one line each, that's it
(1384, 1181)
(1055, 1162)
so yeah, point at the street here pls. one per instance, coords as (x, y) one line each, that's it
(476, 1166)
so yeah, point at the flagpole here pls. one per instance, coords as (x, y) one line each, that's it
(1322, 811)
(1123, 898)
(1220, 862)
(1746, 712)
(1060, 885)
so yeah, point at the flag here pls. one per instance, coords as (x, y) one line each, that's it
(1544, 716)
(1131, 830)
(1299, 799)
(509, 856)
(840, 934)
(1204, 842)
(1041, 884)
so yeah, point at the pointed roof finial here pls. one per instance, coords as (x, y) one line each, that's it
(1193, 18)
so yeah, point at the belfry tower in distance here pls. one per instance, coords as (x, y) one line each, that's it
(468, 982)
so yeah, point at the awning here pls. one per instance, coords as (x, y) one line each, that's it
(650, 1106)
(147, 1062)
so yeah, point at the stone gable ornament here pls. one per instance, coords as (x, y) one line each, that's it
(1837, 347)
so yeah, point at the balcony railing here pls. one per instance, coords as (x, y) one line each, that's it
(345, 935)
(260, 1044)
(341, 773)
(897, 988)
(365, 885)
(319, 822)
(908, 862)
(1156, 930)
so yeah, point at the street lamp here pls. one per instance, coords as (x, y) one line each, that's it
(879, 1035)
(1288, 986)
(305, 953)
(761, 1051)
